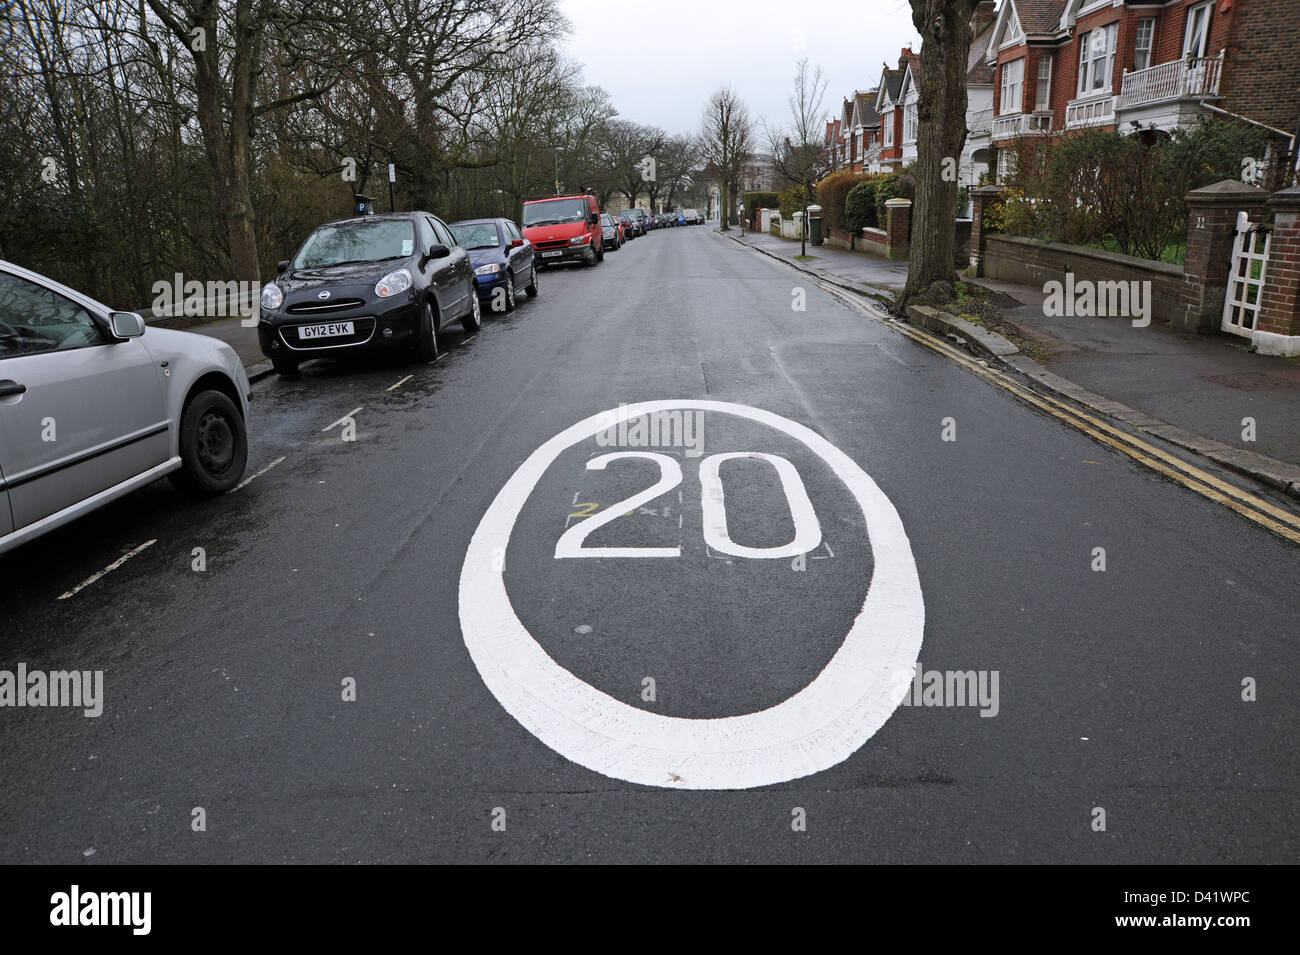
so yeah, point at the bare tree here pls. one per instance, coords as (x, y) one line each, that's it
(944, 26)
(800, 156)
(726, 141)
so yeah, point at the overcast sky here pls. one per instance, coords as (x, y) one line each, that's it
(660, 59)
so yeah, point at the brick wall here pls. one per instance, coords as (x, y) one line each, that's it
(1262, 76)
(1010, 258)
(1279, 312)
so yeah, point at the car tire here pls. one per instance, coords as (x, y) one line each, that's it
(600, 253)
(426, 336)
(531, 287)
(473, 321)
(213, 443)
(285, 366)
(590, 258)
(510, 291)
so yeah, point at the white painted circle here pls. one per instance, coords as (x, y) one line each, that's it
(821, 725)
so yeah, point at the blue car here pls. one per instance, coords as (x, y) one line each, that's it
(502, 259)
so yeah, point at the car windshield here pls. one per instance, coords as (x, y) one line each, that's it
(554, 211)
(348, 243)
(476, 235)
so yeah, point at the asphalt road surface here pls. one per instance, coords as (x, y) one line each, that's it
(696, 693)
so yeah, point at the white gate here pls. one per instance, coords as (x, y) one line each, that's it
(1246, 277)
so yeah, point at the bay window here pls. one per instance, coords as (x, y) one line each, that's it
(1013, 87)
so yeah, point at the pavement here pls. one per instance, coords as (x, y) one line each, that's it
(1198, 389)
(337, 679)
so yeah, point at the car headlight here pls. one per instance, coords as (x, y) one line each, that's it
(392, 283)
(272, 297)
(580, 239)
(491, 268)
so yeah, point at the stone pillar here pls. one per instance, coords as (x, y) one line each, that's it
(1211, 230)
(1277, 328)
(898, 227)
(983, 198)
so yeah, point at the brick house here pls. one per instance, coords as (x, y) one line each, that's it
(889, 105)
(1149, 65)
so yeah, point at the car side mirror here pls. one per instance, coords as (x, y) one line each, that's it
(516, 243)
(282, 266)
(438, 251)
(125, 325)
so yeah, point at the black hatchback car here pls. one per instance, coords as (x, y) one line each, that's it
(374, 283)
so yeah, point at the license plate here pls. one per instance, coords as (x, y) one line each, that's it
(331, 330)
(551, 255)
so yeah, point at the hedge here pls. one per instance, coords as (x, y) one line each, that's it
(831, 195)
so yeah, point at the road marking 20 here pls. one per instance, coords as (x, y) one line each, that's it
(807, 529)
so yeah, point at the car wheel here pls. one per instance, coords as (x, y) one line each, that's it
(590, 259)
(510, 291)
(213, 445)
(600, 253)
(285, 366)
(426, 336)
(531, 287)
(474, 320)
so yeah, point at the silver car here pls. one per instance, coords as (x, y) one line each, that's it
(93, 406)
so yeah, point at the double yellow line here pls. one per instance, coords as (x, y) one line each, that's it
(1250, 506)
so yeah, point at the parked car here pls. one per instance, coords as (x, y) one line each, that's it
(94, 405)
(693, 217)
(612, 228)
(642, 219)
(565, 229)
(636, 220)
(503, 260)
(631, 227)
(375, 283)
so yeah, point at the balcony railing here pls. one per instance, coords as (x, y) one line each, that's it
(1090, 111)
(1193, 77)
(980, 123)
(1021, 124)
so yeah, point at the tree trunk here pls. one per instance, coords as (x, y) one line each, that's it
(945, 29)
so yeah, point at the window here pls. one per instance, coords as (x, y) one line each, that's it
(909, 124)
(1097, 59)
(1006, 164)
(888, 122)
(1043, 95)
(1197, 37)
(1013, 87)
(34, 319)
(444, 234)
(427, 237)
(1146, 34)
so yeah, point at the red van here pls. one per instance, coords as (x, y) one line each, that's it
(564, 229)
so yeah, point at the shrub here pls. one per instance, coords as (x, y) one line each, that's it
(791, 201)
(832, 192)
(900, 184)
(860, 207)
(759, 200)
(1091, 186)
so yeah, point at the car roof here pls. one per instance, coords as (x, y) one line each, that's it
(496, 221)
(553, 198)
(377, 217)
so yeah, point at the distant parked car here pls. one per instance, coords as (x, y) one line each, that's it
(612, 229)
(692, 217)
(565, 229)
(642, 219)
(631, 225)
(503, 260)
(93, 405)
(375, 283)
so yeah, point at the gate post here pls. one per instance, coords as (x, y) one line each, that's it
(1277, 328)
(1211, 229)
(983, 198)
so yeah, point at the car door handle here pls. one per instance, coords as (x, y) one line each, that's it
(9, 388)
